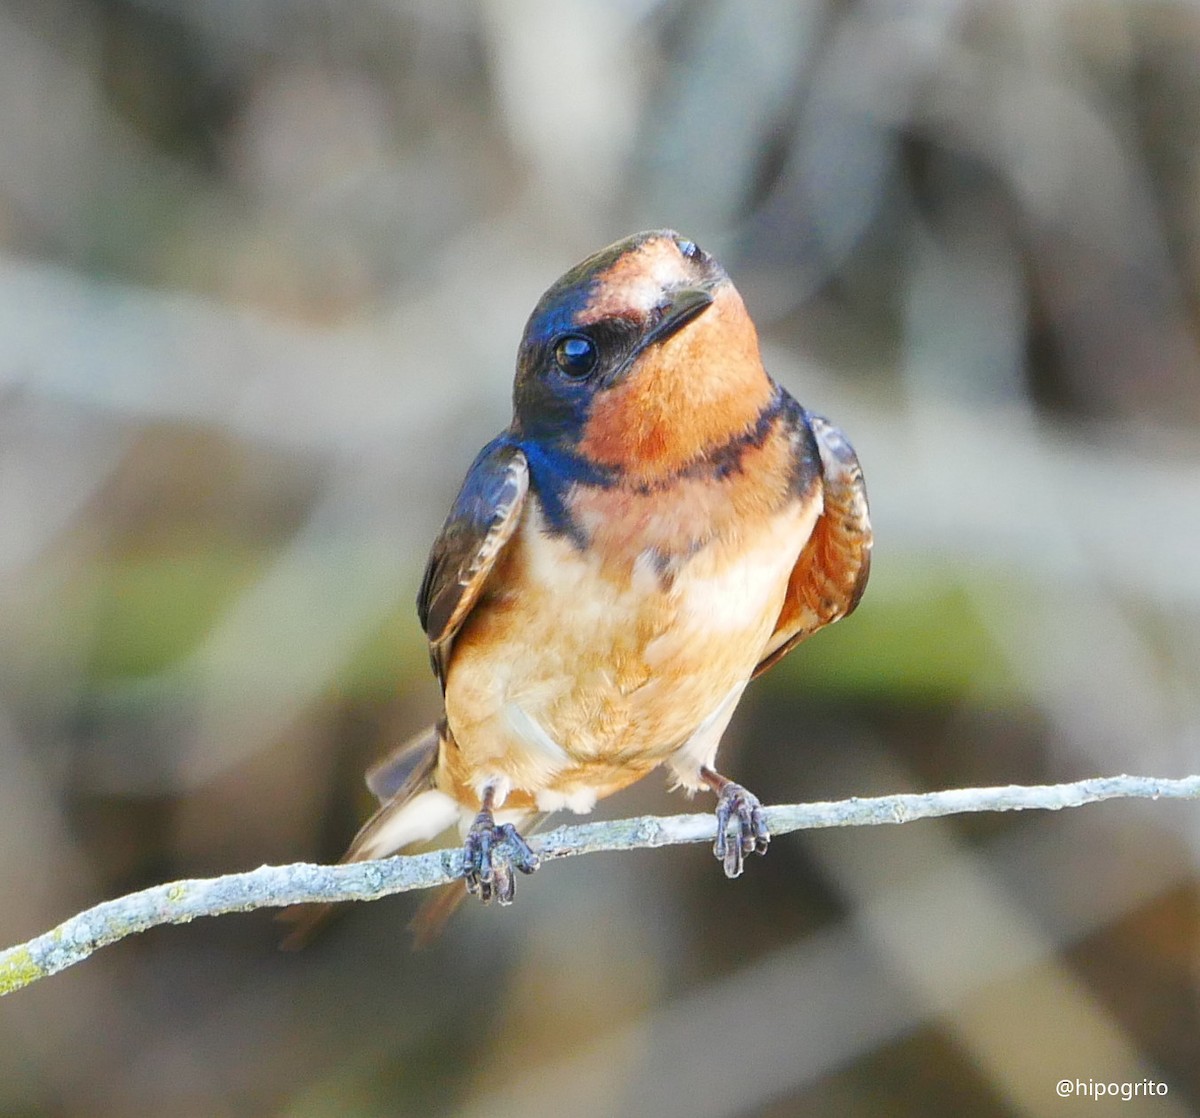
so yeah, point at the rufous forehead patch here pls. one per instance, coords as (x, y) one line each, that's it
(635, 281)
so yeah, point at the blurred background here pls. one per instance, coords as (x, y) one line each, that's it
(263, 269)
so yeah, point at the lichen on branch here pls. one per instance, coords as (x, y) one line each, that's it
(278, 886)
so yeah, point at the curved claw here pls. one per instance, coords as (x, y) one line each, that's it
(749, 833)
(490, 854)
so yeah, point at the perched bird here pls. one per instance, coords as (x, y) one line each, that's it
(660, 523)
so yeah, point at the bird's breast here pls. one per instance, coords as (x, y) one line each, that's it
(586, 667)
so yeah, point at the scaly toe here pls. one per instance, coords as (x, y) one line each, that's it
(750, 834)
(490, 854)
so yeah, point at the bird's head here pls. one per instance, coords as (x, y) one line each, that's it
(640, 358)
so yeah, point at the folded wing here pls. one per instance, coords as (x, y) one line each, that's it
(483, 519)
(831, 574)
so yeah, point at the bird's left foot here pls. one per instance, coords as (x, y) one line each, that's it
(749, 833)
(490, 854)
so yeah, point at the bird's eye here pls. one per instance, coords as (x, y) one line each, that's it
(575, 355)
(689, 249)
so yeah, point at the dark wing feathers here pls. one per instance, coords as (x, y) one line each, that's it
(407, 768)
(482, 520)
(831, 574)
(484, 516)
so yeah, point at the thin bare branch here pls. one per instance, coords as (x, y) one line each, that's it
(278, 886)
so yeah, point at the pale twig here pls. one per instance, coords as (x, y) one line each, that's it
(278, 886)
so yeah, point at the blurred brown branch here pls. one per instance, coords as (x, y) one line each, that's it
(278, 886)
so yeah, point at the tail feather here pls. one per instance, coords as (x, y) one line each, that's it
(410, 766)
(431, 918)
(414, 813)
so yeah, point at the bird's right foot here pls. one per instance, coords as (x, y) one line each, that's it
(490, 854)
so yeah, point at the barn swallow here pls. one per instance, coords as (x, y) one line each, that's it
(659, 525)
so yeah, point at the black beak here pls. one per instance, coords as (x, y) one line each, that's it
(684, 305)
(680, 308)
